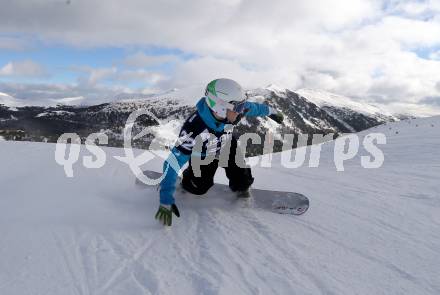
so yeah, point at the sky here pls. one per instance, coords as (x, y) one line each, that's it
(383, 51)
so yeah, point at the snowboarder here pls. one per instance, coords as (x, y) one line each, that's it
(223, 106)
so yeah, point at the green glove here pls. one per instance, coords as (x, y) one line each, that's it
(165, 213)
(277, 116)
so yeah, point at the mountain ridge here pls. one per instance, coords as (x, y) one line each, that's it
(302, 116)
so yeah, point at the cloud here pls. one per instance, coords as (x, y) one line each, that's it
(360, 48)
(187, 25)
(43, 93)
(435, 55)
(204, 69)
(25, 68)
(97, 75)
(140, 75)
(409, 32)
(411, 8)
(432, 100)
(141, 59)
(91, 77)
(10, 43)
(94, 85)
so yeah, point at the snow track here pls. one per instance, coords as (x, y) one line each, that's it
(368, 231)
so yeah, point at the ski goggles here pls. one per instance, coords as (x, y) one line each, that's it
(238, 106)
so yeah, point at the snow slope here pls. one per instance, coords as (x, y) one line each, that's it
(368, 231)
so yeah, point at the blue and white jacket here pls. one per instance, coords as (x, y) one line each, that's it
(201, 121)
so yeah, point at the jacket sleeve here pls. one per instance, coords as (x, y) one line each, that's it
(175, 161)
(256, 109)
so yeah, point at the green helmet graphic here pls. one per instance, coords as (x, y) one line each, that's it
(220, 92)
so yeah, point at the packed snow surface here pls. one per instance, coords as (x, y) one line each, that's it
(368, 231)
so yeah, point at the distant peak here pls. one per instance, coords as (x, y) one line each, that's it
(326, 98)
(274, 87)
(68, 100)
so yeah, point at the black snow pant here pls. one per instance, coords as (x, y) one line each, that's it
(240, 179)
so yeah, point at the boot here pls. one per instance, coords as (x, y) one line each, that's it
(243, 194)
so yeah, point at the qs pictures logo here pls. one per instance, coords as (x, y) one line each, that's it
(68, 149)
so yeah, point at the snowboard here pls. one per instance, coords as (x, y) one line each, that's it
(275, 201)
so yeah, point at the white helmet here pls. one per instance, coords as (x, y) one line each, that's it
(224, 94)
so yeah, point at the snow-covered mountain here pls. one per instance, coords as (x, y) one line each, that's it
(329, 101)
(9, 101)
(325, 99)
(304, 114)
(12, 102)
(368, 231)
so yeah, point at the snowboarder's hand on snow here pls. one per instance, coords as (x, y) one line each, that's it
(165, 213)
(275, 115)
